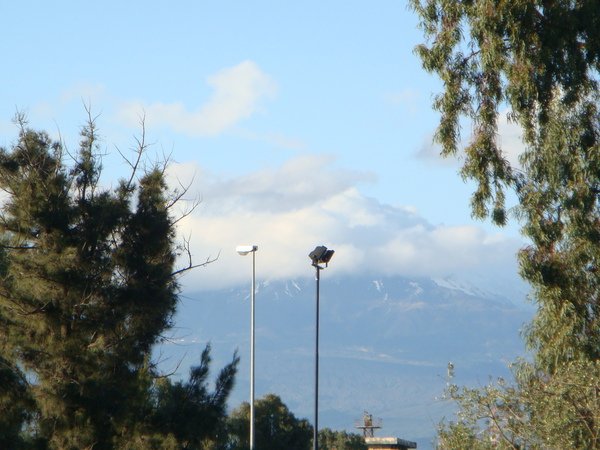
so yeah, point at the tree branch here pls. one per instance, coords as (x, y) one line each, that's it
(190, 265)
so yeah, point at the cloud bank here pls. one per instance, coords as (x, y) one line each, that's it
(290, 209)
(238, 93)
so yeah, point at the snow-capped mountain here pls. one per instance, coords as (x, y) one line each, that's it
(384, 344)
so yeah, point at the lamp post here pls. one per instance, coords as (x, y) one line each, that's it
(320, 255)
(244, 250)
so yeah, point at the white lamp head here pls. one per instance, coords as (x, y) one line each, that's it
(245, 249)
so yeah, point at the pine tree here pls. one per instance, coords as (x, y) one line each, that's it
(88, 287)
(15, 404)
(340, 440)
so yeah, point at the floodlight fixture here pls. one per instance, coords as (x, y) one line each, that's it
(321, 255)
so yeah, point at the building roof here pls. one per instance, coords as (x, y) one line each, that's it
(389, 442)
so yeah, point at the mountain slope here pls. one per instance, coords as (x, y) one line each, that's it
(384, 345)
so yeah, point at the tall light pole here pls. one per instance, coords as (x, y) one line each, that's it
(320, 255)
(244, 250)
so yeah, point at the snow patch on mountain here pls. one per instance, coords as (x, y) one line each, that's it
(378, 285)
(455, 285)
(296, 286)
(418, 290)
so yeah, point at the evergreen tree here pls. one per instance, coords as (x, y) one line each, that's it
(15, 405)
(188, 411)
(340, 440)
(540, 60)
(88, 285)
(276, 427)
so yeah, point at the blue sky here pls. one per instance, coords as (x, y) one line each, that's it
(295, 123)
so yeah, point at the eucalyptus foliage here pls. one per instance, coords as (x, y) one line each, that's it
(520, 55)
(539, 61)
(538, 411)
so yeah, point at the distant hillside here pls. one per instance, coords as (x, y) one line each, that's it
(385, 345)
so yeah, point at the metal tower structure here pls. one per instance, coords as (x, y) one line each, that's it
(368, 424)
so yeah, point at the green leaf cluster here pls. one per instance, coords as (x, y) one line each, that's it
(276, 427)
(521, 55)
(340, 440)
(539, 60)
(537, 411)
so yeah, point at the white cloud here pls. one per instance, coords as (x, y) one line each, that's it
(509, 140)
(289, 210)
(298, 183)
(238, 92)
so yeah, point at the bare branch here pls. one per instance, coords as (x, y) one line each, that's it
(166, 161)
(178, 195)
(141, 147)
(172, 372)
(190, 265)
(187, 212)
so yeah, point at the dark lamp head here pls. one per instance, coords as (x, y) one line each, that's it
(320, 255)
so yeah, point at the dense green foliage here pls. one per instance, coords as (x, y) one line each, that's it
(537, 412)
(277, 428)
(340, 440)
(539, 60)
(525, 55)
(88, 286)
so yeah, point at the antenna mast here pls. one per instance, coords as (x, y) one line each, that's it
(368, 424)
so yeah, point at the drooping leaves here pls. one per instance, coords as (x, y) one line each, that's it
(539, 60)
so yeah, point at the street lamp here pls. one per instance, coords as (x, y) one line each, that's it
(319, 256)
(244, 250)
